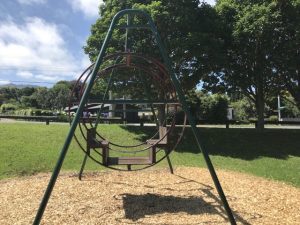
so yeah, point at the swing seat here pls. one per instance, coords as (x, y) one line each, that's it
(138, 160)
(112, 161)
(135, 160)
(92, 142)
(163, 137)
(129, 161)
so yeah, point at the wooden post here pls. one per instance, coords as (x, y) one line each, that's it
(105, 152)
(152, 154)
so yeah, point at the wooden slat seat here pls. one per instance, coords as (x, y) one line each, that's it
(134, 160)
(162, 133)
(92, 142)
(129, 161)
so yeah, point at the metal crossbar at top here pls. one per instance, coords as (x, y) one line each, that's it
(133, 27)
(139, 101)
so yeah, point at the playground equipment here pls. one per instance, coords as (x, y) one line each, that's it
(164, 95)
(161, 99)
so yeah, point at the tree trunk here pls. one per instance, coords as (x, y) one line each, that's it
(161, 116)
(260, 104)
(260, 98)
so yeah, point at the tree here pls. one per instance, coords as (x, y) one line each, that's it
(60, 95)
(285, 56)
(11, 94)
(2, 98)
(243, 109)
(20, 96)
(42, 97)
(214, 108)
(249, 28)
(189, 30)
(29, 101)
(27, 91)
(193, 98)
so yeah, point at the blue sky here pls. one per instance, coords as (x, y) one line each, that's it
(42, 40)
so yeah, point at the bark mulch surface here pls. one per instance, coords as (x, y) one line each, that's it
(149, 197)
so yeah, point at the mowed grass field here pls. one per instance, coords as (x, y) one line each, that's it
(29, 148)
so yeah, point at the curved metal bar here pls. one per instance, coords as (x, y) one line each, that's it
(137, 169)
(112, 68)
(107, 69)
(149, 145)
(105, 93)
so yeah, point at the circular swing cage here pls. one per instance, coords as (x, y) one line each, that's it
(121, 71)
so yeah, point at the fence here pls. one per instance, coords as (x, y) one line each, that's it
(48, 119)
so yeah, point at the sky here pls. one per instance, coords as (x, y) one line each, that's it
(42, 40)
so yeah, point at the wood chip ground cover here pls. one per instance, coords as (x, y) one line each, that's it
(150, 197)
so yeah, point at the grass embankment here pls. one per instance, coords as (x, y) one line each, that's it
(30, 148)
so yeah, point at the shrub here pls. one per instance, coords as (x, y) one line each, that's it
(8, 108)
(47, 113)
(37, 112)
(214, 108)
(290, 109)
(63, 118)
(40, 112)
(273, 118)
(24, 112)
(243, 110)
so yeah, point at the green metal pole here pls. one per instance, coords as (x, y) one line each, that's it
(74, 124)
(105, 93)
(192, 122)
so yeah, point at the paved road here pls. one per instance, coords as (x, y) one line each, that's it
(3, 120)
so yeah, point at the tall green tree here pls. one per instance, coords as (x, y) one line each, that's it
(249, 31)
(60, 95)
(42, 98)
(285, 56)
(189, 30)
(11, 94)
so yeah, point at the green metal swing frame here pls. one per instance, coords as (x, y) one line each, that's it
(150, 25)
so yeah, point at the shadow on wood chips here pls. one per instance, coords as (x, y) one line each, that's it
(138, 206)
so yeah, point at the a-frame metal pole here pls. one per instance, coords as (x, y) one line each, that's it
(74, 124)
(192, 122)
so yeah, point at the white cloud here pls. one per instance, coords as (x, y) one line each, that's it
(48, 78)
(34, 48)
(24, 74)
(88, 7)
(85, 61)
(30, 2)
(211, 2)
(2, 82)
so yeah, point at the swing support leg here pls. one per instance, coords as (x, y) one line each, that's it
(169, 160)
(193, 125)
(74, 124)
(170, 165)
(82, 166)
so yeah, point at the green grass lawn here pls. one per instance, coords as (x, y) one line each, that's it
(28, 148)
